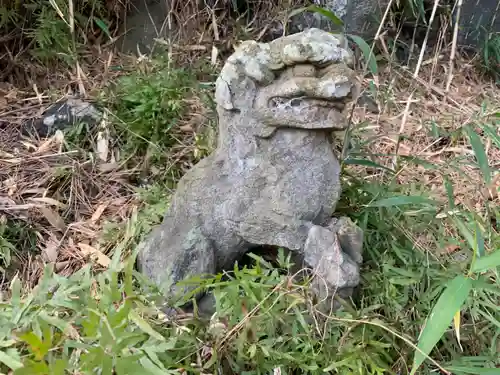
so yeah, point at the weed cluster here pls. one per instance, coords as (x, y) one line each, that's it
(149, 103)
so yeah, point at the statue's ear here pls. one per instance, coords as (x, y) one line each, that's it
(223, 95)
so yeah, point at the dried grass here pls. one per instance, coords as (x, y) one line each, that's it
(64, 196)
(412, 107)
(208, 30)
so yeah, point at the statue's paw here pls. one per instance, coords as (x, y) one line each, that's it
(350, 237)
(333, 268)
(336, 272)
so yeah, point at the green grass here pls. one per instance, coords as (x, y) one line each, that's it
(109, 320)
(491, 56)
(14, 235)
(149, 103)
(146, 107)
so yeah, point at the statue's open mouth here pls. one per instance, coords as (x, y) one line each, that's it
(307, 112)
(313, 100)
(304, 103)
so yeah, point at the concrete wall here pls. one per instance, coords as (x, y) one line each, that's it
(146, 21)
(478, 18)
(361, 17)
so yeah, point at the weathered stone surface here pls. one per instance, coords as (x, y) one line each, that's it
(334, 256)
(360, 17)
(274, 178)
(146, 21)
(63, 115)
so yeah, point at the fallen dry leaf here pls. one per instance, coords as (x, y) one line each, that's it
(12, 94)
(51, 250)
(11, 185)
(213, 57)
(83, 228)
(34, 191)
(108, 167)
(94, 254)
(13, 160)
(98, 212)
(45, 146)
(59, 138)
(28, 145)
(103, 139)
(102, 146)
(451, 249)
(404, 150)
(53, 218)
(49, 201)
(59, 266)
(4, 154)
(6, 202)
(72, 332)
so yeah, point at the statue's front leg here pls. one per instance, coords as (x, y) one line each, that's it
(333, 253)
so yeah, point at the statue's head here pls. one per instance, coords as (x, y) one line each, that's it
(302, 81)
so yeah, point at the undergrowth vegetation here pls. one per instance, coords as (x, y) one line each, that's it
(430, 291)
(149, 105)
(263, 322)
(491, 56)
(53, 30)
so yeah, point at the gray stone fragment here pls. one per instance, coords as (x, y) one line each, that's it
(63, 115)
(363, 16)
(274, 178)
(350, 237)
(333, 268)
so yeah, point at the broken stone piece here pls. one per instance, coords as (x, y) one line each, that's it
(63, 115)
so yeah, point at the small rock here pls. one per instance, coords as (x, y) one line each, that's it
(63, 115)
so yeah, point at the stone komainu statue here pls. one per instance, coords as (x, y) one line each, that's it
(274, 178)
